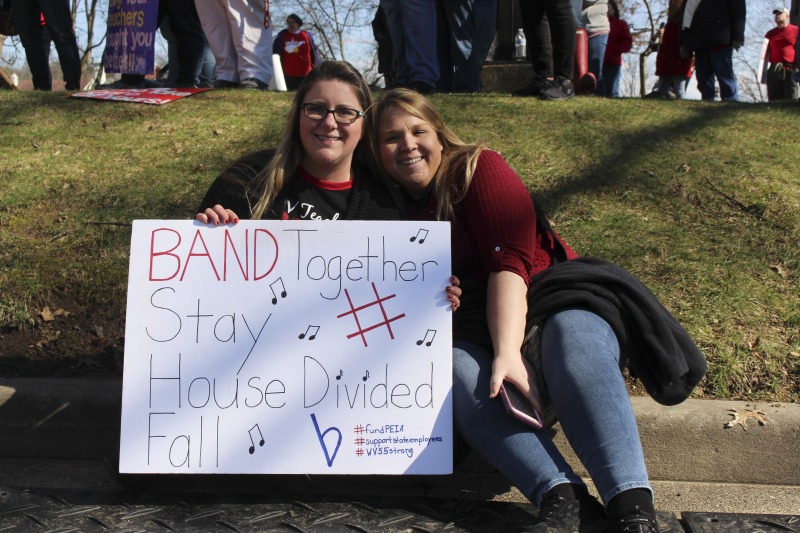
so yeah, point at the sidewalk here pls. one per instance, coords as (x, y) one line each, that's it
(64, 434)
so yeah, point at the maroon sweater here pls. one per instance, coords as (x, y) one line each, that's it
(494, 229)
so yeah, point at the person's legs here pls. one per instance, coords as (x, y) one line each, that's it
(418, 22)
(217, 26)
(722, 64)
(392, 9)
(562, 33)
(774, 85)
(704, 71)
(597, 51)
(472, 25)
(528, 458)
(580, 364)
(790, 89)
(25, 14)
(611, 78)
(188, 32)
(537, 34)
(58, 16)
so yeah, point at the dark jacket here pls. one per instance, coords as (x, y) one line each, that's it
(368, 200)
(656, 348)
(715, 23)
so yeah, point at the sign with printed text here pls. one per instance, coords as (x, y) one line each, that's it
(156, 96)
(288, 347)
(130, 36)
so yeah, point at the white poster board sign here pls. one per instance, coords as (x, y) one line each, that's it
(287, 347)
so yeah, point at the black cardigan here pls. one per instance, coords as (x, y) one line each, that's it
(657, 349)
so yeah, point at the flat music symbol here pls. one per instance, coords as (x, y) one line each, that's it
(312, 336)
(283, 291)
(421, 240)
(341, 373)
(419, 342)
(366, 376)
(252, 448)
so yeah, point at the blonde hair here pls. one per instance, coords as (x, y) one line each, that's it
(268, 183)
(458, 158)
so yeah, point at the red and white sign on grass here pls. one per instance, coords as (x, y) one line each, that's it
(139, 96)
(288, 347)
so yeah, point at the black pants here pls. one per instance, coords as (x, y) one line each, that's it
(26, 14)
(780, 83)
(549, 27)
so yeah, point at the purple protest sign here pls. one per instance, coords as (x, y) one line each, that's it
(130, 46)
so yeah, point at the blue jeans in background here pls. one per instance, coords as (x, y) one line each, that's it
(470, 28)
(580, 363)
(612, 74)
(412, 26)
(716, 62)
(597, 51)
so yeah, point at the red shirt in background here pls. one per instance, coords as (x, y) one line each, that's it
(781, 44)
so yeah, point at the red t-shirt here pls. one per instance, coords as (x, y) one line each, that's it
(781, 44)
(296, 56)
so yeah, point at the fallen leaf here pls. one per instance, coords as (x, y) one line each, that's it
(741, 417)
(780, 270)
(99, 331)
(216, 132)
(61, 312)
(754, 343)
(48, 337)
(198, 168)
(683, 168)
(46, 314)
(35, 146)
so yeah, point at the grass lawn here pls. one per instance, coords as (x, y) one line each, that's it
(701, 201)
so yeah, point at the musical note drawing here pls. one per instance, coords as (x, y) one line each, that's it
(366, 376)
(283, 291)
(419, 342)
(252, 448)
(312, 336)
(341, 373)
(417, 236)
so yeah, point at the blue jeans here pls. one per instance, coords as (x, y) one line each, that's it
(597, 51)
(471, 25)
(580, 363)
(412, 26)
(611, 77)
(716, 62)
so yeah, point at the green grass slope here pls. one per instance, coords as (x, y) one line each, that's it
(701, 201)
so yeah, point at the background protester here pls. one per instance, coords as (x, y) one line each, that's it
(297, 50)
(32, 19)
(781, 84)
(713, 29)
(240, 35)
(412, 26)
(673, 67)
(619, 42)
(466, 32)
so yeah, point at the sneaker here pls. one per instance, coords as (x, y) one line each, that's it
(557, 89)
(637, 522)
(534, 88)
(253, 83)
(587, 85)
(560, 515)
(225, 84)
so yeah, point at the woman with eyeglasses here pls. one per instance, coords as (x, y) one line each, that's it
(322, 168)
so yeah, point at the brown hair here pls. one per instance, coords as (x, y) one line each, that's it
(268, 183)
(457, 156)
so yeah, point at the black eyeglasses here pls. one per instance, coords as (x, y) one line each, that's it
(342, 115)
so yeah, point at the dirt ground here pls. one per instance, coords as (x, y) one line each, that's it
(63, 344)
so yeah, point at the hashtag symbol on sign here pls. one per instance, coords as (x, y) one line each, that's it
(359, 452)
(379, 302)
(358, 429)
(359, 441)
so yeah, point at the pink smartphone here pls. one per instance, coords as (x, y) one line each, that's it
(519, 407)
